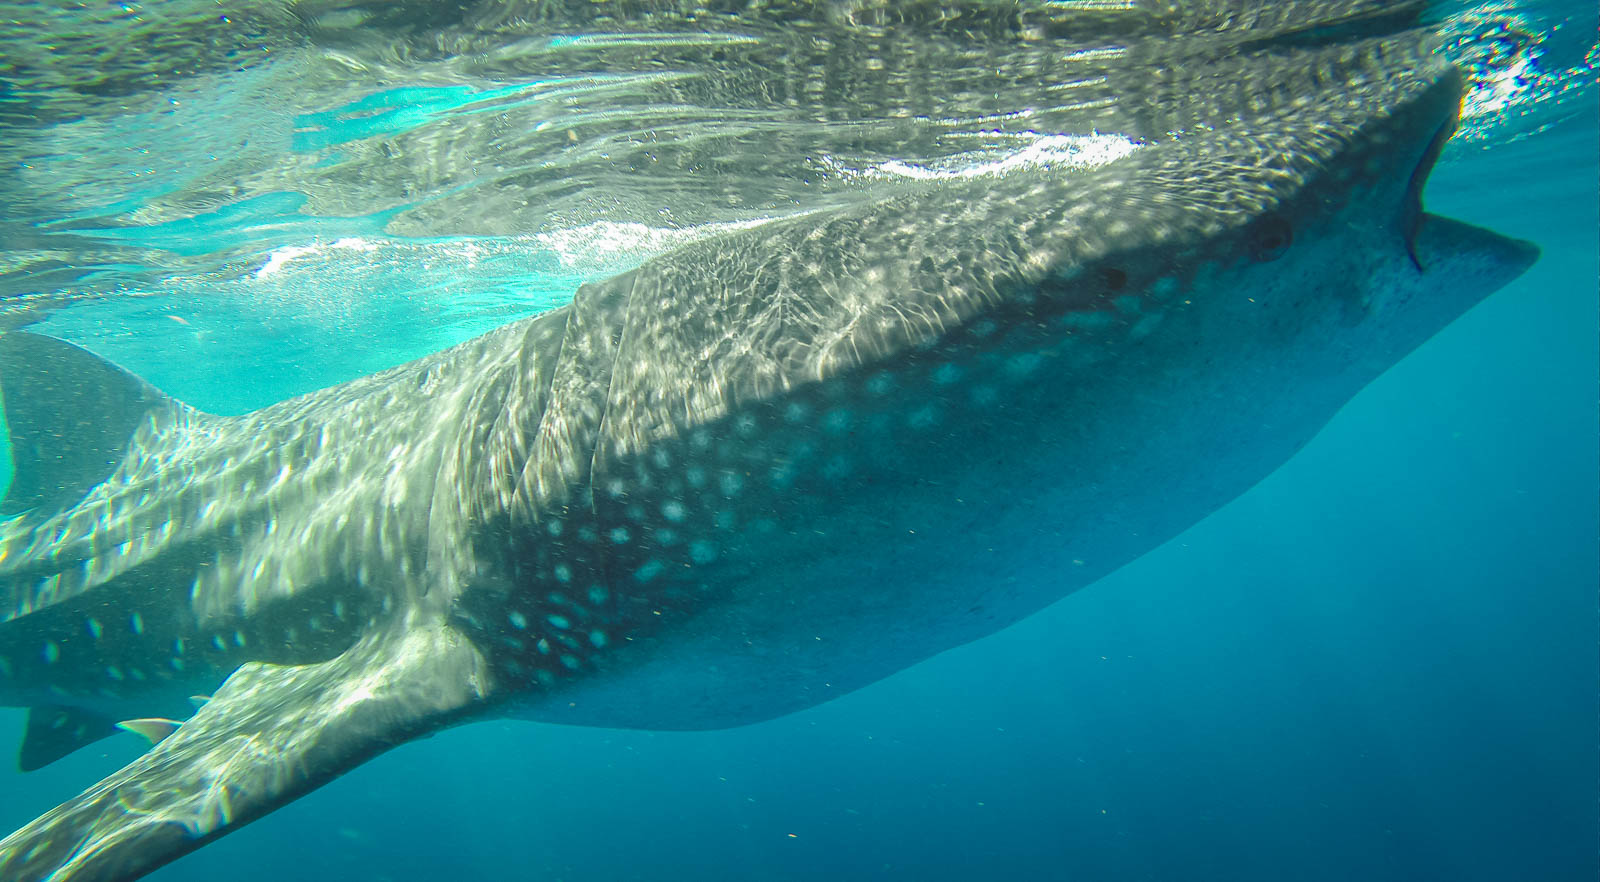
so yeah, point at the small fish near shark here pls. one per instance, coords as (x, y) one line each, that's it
(876, 424)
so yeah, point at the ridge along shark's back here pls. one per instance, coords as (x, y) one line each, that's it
(747, 476)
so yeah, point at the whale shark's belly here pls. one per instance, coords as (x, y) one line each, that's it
(953, 509)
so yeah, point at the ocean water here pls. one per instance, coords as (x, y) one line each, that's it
(1379, 663)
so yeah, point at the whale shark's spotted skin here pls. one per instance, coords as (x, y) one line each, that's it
(739, 480)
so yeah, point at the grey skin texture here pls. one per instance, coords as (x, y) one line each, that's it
(737, 481)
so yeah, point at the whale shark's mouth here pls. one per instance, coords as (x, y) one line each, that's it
(1411, 213)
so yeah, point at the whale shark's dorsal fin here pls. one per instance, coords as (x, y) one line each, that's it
(70, 414)
(271, 734)
(53, 732)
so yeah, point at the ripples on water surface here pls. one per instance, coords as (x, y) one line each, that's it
(204, 181)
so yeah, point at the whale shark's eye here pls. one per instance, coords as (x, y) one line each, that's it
(1270, 238)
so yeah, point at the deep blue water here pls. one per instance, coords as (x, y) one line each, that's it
(1378, 664)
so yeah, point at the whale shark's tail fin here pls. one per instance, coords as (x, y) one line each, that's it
(271, 734)
(70, 414)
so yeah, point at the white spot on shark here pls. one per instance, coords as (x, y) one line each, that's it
(1144, 326)
(923, 417)
(782, 476)
(702, 552)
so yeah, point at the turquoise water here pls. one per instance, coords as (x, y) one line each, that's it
(1377, 664)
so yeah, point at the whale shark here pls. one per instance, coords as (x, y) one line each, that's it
(745, 477)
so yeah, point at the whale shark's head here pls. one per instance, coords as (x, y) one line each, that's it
(1381, 269)
(1296, 244)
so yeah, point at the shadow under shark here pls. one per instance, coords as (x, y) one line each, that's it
(742, 479)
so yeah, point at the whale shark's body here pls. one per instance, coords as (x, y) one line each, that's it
(742, 479)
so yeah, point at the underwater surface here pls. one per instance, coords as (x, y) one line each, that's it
(1379, 663)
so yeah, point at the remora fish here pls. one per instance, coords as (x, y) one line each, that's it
(815, 452)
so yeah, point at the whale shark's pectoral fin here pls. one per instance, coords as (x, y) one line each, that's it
(271, 734)
(152, 729)
(53, 732)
